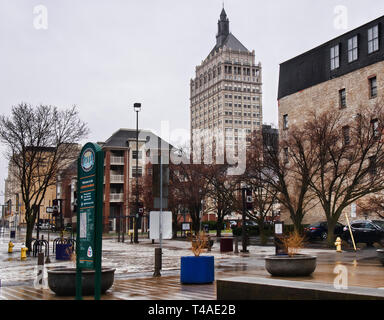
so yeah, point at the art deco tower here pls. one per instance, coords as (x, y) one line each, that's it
(226, 91)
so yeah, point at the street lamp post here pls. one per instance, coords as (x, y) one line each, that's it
(243, 227)
(137, 108)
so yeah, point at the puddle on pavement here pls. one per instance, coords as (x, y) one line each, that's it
(232, 268)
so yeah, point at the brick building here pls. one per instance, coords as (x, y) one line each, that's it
(344, 74)
(120, 173)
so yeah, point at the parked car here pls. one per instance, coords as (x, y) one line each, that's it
(319, 230)
(250, 223)
(233, 224)
(68, 227)
(365, 231)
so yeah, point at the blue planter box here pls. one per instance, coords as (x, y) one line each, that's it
(63, 251)
(197, 269)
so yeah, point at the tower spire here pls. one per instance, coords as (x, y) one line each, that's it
(223, 28)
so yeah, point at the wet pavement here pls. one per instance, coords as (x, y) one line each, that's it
(134, 264)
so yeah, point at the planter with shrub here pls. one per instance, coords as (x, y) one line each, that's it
(292, 264)
(197, 269)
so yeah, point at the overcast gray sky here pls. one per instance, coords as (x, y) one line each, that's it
(104, 55)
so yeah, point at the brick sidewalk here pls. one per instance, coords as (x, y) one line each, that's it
(161, 288)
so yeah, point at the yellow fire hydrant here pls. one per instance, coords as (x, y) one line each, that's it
(338, 244)
(24, 250)
(10, 247)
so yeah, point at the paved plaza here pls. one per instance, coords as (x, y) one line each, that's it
(134, 264)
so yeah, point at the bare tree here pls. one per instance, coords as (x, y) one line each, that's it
(40, 142)
(283, 170)
(188, 183)
(221, 193)
(350, 159)
(372, 205)
(264, 194)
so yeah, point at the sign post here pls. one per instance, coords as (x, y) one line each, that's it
(279, 234)
(90, 172)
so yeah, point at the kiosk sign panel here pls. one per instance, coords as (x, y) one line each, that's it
(88, 208)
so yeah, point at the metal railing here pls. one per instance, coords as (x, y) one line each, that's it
(117, 178)
(117, 160)
(116, 197)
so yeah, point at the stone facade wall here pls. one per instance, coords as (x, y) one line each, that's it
(325, 97)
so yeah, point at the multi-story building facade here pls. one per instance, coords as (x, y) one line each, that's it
(120, 172)
(225, 94)
(14, 213)
(342, 74)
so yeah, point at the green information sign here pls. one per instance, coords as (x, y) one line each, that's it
(90, 173)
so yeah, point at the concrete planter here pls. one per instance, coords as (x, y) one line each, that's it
(299, 265)
(62, 281)
(380, 253)
(197, 270)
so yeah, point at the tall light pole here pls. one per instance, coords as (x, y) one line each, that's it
(137, 108)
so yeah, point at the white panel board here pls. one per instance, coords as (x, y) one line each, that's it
(166, 224)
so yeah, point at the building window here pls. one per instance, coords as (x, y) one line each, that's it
(137, 171)
(335, 58)
(352, 49)
(346, 137)
(134, 154)
(373, 39)
(373, 87)
(285, 121)
(342, 98)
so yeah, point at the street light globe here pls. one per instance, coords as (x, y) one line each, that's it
(137, 107)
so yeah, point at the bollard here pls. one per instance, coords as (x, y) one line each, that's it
(236, 245)
(157, 262)
(48, 260)
(40, 264)
(131, 237)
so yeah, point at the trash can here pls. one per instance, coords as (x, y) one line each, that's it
(63, 251)
(226, 244)
(13, 234)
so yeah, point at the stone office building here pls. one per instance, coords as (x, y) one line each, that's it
(225, 93)
(342, 74)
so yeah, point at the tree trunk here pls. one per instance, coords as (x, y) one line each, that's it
(262, 233)
(196, 222)
(331, 233)
(297, 218)
(174, 225)
(219, 226)
(174, 230)
(28, 236)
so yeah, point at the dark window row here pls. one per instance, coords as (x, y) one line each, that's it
(373, 45)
